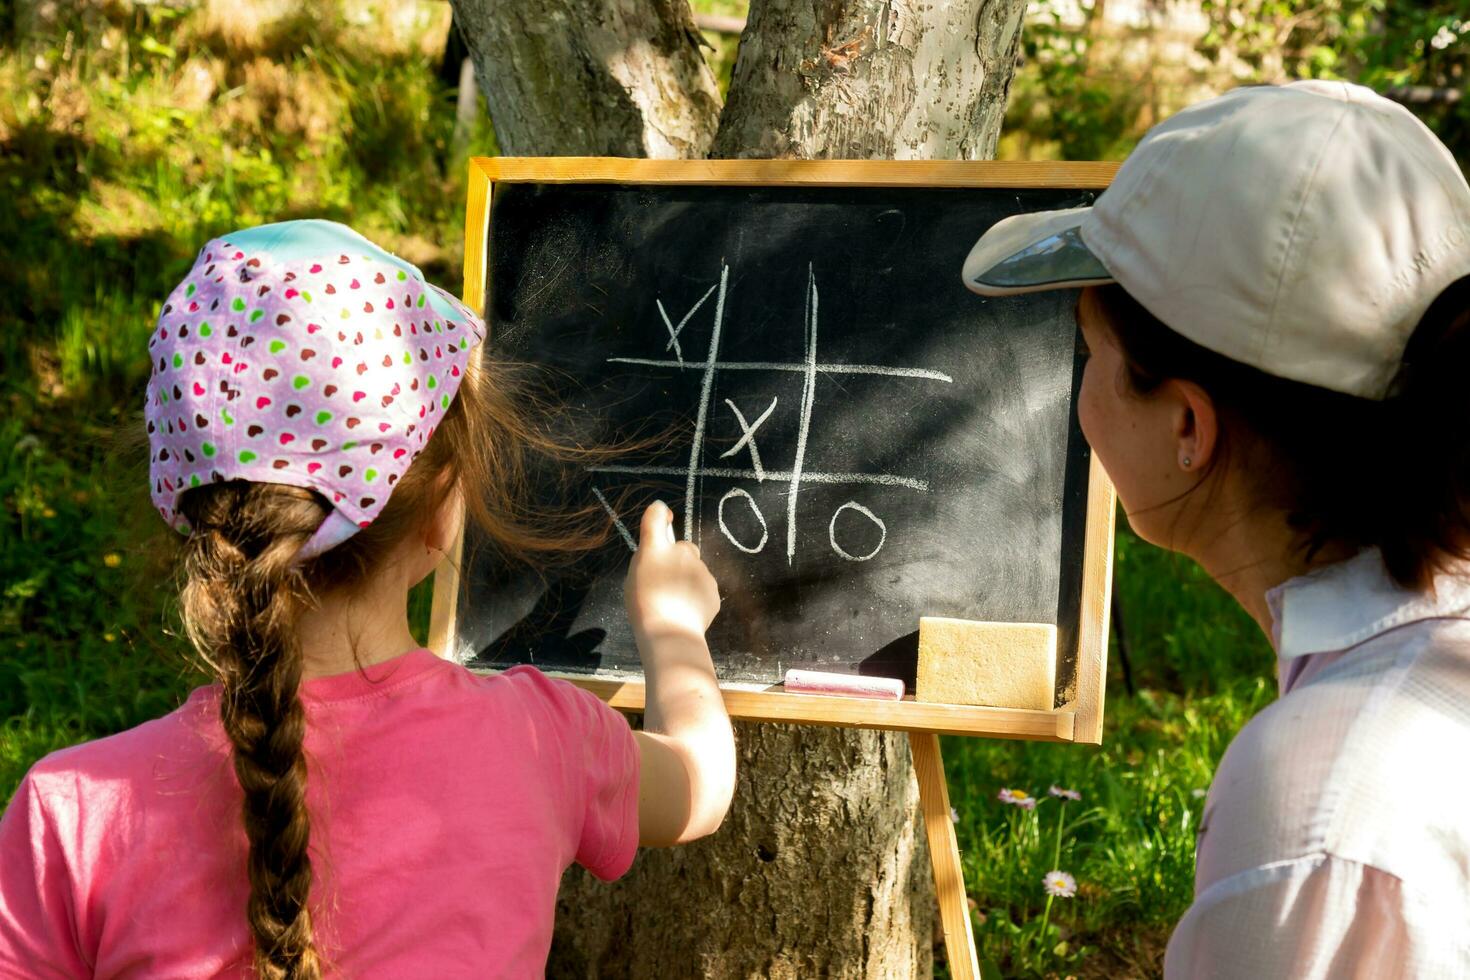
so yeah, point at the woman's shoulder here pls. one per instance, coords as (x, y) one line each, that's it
(1351, 762)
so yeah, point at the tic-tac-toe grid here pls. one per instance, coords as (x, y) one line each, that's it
(809, 368)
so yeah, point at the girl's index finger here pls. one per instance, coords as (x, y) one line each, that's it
(657, 527)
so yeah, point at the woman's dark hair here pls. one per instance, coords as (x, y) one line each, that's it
(1348, 471)
(242, 593)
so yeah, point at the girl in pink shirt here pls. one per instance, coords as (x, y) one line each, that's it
(341, 801)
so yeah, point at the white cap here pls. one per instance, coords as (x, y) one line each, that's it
(1302, 229)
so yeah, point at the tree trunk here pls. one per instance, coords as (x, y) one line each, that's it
(592, 77)
(821, 867)
(871, 79)
(819, 871)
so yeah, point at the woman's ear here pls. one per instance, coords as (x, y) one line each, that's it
(1196, 426)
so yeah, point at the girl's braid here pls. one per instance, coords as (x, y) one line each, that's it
(241, 597)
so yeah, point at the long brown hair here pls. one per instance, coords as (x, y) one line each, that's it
(1392, 474)
(242, 593)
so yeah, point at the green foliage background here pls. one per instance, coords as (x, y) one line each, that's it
(132, 133)
(1089, 87)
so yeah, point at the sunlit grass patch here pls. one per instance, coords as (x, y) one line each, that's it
(127, 147)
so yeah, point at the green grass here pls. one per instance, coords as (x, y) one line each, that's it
(123, 149)
(81, 652)
(118, 163)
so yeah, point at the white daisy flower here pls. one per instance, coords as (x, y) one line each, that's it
(1059, 884)
(1017, 797)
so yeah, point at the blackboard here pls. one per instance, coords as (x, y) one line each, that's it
(853, 438)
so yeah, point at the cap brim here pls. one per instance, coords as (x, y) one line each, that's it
(1029, 253)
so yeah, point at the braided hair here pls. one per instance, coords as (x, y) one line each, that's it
(241, 598)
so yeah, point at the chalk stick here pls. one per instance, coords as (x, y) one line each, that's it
(1001, 665)
(844, 685)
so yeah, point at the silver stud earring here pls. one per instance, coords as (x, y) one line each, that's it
(1185, 462)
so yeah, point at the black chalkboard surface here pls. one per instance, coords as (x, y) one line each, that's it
(853, 439)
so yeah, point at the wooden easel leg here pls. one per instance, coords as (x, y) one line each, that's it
(944, 850)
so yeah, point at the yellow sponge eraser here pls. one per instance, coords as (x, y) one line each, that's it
(1001, 665)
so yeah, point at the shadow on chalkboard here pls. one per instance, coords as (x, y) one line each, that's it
(1074, 540)
(899, 659)
(545, 634)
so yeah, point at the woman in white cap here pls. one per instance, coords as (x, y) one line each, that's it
(1277, 305)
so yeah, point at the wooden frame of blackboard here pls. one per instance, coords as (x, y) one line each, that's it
(1079, 720)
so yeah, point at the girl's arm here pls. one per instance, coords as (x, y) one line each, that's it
(686, 747)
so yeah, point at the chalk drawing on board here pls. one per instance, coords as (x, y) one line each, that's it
(832, 531)
(748, 436)
(673, 330)
(617, 521)
(880, 369)
(703, 417)
(874, 479)
(730, 535)
(798, 476)
(808, 395)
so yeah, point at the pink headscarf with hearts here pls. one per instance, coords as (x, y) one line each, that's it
(301, 353)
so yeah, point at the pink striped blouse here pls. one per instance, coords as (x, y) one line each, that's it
(1336, 834)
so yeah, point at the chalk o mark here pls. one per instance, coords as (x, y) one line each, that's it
(765, 532)
(832, 531)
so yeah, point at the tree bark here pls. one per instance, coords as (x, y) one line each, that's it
(871, 79)
(821, 868)
(592, 77)
(819, 871)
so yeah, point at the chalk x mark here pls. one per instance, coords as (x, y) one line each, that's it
(674, 331)
(895, 372)
(703, 415)
(617, 521)
(749, 436)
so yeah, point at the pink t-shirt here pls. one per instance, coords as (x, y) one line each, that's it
(444, 805)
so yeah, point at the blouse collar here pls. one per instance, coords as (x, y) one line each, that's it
(1350, 602)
